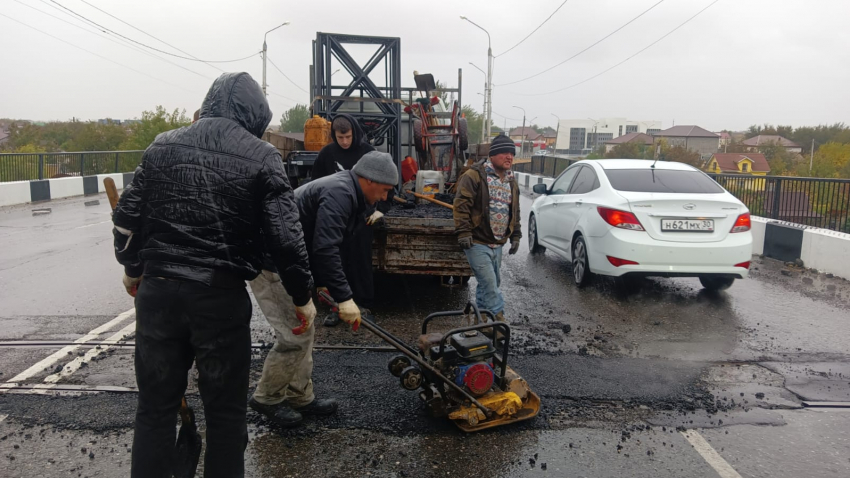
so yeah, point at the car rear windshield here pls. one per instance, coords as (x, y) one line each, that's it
(662, 181)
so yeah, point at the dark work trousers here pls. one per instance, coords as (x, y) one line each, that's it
(357, 265)
(178, 322)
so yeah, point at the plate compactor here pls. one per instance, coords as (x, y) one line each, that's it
(462, 374)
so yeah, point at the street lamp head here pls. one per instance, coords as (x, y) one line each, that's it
(462, 17)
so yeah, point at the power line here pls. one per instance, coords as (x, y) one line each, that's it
(284, 75)
(533, 31)
(148, 46)
(284, 97)
(125, 45)
(620, 63)
(148, 34)
(95, 54)
(503, 116)
(588, 48)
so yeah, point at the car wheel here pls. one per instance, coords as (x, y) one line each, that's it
(581, 265)
(533, 246)
(716, 283)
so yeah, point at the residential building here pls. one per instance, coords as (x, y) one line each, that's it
(725, 139)
(691, 137)
(581, 136)
(641, 138)
(765, 139)
(527, 134)
(738, 163)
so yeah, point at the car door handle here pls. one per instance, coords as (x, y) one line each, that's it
(579, 202)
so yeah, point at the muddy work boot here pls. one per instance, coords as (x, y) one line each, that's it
(319, 407)
(281, 414)
(331, 319)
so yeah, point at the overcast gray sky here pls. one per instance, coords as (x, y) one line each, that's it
(739, 62)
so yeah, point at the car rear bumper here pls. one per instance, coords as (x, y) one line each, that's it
(673, 259)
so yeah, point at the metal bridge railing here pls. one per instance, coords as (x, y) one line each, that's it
(32, 166)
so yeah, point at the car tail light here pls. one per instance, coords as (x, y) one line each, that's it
(742, 224)
(745, 265)
(617, 262)
(621, 219)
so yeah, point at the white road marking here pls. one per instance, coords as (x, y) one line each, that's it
(63, 352)
(78, 362)
(95, 224)
(721, 466)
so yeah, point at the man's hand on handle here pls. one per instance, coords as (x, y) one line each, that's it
(306, 314)
(349, 313)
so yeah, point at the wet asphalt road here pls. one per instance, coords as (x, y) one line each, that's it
(621, 373)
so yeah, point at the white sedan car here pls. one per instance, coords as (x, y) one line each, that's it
(632, 218)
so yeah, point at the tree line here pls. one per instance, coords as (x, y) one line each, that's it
(76, 135)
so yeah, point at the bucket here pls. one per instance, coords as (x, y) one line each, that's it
(429, 183)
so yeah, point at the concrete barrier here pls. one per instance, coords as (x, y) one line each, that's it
(117, 177)
(66, 187)
(759, 224)
(22, 192)
(826, 251)
(17, 192)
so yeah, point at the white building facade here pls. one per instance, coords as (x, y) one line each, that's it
(581, 136)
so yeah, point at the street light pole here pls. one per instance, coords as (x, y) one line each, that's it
(595, 138)
(484, 115)
(265, 54)
(522, 148)
(489, 76)
(557, 131)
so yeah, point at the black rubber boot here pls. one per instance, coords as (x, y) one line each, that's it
(319, 407)
(281, 414)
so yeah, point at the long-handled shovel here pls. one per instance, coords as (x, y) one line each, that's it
(187, 450)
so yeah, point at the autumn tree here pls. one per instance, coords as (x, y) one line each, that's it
(294, 118)
(145, 130)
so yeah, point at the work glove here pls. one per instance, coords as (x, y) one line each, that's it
(375, 217)
(514, 247)
(465, 242)
(349, 313)
(131, 284)
(305, 313)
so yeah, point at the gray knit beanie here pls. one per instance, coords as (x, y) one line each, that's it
(378, 167)
(502, 144)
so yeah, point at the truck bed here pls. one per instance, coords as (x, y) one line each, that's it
(419, 241)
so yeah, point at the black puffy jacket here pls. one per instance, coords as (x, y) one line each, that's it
(211, 196)
(332, 210)
(333, 156)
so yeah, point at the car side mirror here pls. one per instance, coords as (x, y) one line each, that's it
(540, 189)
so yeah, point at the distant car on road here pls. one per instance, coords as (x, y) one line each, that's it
(632, 218)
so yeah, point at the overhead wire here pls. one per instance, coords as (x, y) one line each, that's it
(105, 29)
(620, 63)
(282, 96)
(586, 49)
(285, 76)
(533, 31)
(147, 34)
(95, 54)
(105, 37)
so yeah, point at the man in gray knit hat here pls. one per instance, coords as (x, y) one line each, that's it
(331, 209)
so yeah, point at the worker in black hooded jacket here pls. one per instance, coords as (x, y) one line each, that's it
(348, 146)
(209, 198)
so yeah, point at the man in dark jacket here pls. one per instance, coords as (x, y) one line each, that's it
(348, 146)
(332, 210)
(487, 215)
(192, 225)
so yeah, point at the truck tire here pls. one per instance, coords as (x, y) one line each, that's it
(418, 140)
(463, 137)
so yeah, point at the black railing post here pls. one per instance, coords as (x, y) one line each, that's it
(40, 166)
(82, 164)
(116, 163)
(777, 198)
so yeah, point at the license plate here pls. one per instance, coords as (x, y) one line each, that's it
(687, 225)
